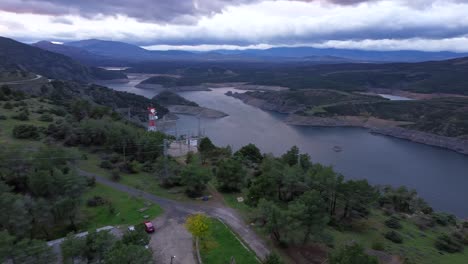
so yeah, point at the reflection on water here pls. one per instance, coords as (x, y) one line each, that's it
(440, 176)
(133, 80)
(395, 97)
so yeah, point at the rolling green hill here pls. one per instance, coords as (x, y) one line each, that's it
(49, 64)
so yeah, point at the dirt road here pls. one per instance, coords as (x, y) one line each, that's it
(179, 210)
(22, 81)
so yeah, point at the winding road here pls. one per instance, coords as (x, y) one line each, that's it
(22, 81)
(175, 209)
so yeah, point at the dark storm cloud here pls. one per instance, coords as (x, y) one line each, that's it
(168, 11)
(171, 11)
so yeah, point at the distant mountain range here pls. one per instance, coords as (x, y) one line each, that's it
(103, 52)
(350, 54)
(75, 53)
(93, 51)
(14, 54)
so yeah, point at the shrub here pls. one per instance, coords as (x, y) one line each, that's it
(427, 210)
(129, 167)
(91, 182)
(136, 237)
(7, 105)
(393, 236)
(147, 167)
(19, 95)
(58, 112)
(114, 158)
(424, 222)
(5, 90)
(272, 258)
(393, 222)
(465, 224)
(23, 116)
(2, 117)
(26, 132)
(46, 118)
(378, 245)
(353, 253)
(444, 219)
(105, 164)
(461, 237)
(115, 175)
(448, 244)
(96, 201)
(20, 103)
(110, 208)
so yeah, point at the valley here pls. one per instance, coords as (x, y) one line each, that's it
(299, 161)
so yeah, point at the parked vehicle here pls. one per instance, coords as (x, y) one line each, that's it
(149, 228)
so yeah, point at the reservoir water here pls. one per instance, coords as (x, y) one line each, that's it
(395, 97)
(440, 176)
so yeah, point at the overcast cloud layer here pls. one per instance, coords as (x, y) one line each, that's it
(235, 24)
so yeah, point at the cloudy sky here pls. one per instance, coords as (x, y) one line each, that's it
(430, 25)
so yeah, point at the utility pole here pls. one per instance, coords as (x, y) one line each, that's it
(299, 159)
(124, 145)
(199, 127)
(165, 159)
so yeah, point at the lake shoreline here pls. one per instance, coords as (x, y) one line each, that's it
(383, 127)
(374, 125)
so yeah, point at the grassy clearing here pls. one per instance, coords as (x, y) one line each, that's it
(231, 200)
(223, 245)
(142, 180)
(6, 126)
(417, 245)
(126, 209)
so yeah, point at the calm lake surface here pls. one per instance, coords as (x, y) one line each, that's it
(440, 176)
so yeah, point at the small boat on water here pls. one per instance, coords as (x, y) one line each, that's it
(337, 148)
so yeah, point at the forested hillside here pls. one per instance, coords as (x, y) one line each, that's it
(425, 77)
(49, 64)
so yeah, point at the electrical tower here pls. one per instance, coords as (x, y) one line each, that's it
(152, 117)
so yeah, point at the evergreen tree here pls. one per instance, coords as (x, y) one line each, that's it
(230, 175)
(352, 254)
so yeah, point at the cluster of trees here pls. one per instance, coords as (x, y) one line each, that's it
(24, 250)
(38, 194)
(26, 132)
(97, 126)
(40, 197)
(7, 94)
(295, 198)
(104, 247)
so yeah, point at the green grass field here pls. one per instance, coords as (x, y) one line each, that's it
(142, 180)
(223, 245)
(126, 209)
(417, 245)
(6, 126)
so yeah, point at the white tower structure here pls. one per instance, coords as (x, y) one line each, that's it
(152, 117)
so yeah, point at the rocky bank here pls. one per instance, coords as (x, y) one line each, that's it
(384, 127)
(375, 125)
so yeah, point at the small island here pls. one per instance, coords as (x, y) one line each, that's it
(179, 105)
